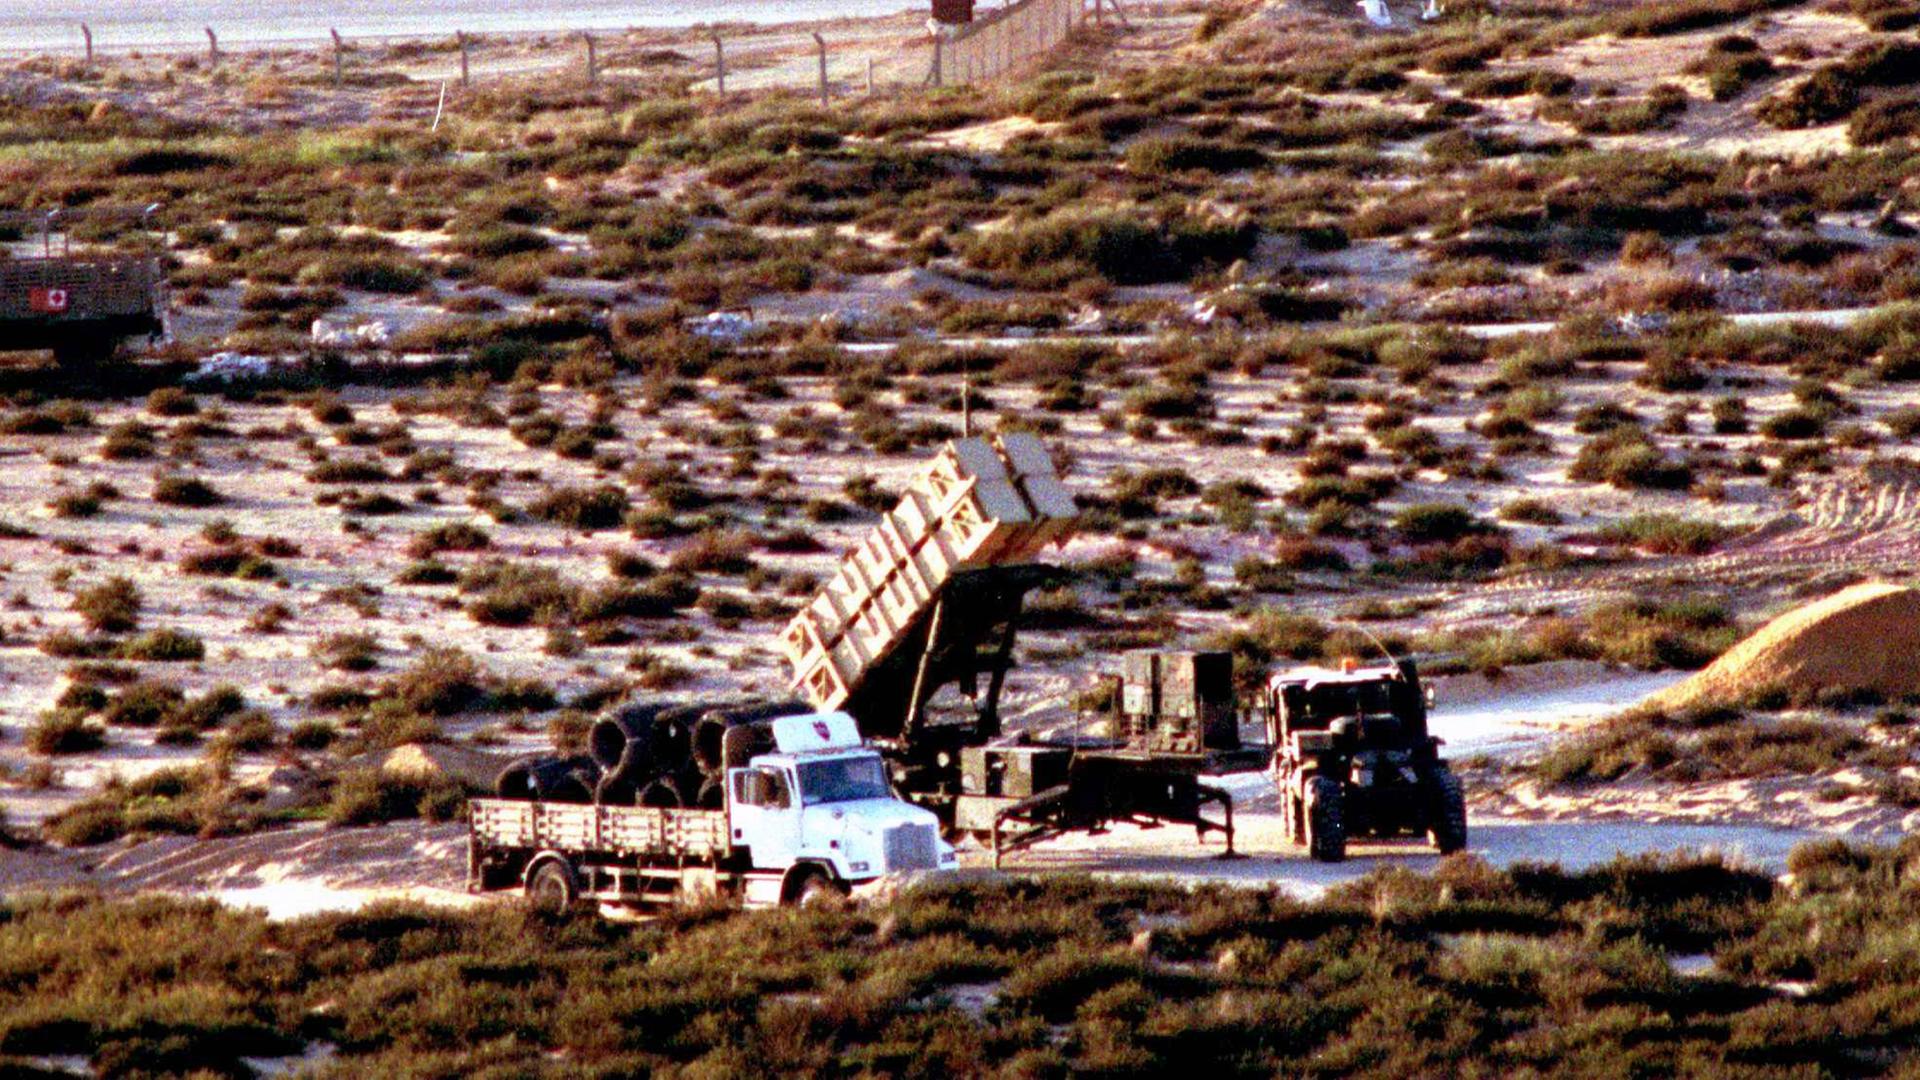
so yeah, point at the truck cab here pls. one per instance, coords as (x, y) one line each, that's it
(822, 805)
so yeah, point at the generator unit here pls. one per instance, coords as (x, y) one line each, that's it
(1178, 702)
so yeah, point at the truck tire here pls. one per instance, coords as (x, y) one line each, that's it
(552, 889)
(622, 741)
(710, 732)
(85, 353)
(613, 791)
(1326, 819)
(709, 743)
(661, 793)
(712, 794)
(743, 742)
(1448, 827)
(567, 780)
(815, 889)
(516, 780)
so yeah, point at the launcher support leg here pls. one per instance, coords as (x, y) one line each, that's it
(1225, 799)
(920, 672)
(990, 715)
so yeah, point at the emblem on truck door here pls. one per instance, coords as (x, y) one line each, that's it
(48, 301)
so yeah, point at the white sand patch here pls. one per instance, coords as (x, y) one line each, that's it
(1517, 723)
(992, 136)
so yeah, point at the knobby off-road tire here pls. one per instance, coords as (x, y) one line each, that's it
(551, 889)
(1326, 819)
(1449, 826)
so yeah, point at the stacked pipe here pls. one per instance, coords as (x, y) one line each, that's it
(654, 754)
(978, 504)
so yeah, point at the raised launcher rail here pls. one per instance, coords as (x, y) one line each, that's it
(930, 596)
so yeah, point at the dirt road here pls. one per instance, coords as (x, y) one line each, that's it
(1170, 854)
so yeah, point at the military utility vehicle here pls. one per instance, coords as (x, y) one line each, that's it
(1352, 758)
(81, 305)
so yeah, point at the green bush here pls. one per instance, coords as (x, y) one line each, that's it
(1794, 424)
(351, 651)
(1666, 534)
(144, 704)
(190, 491)
(372, 797)
(1530, 511)
(442, 682)
(369, 273)
(1159, 156)
(1126, 247)
(1823, 97)
(458, 536)
(1625, 458)
(1884, 120)
(585, 509)
(1683, 16)
(64, 731)
(1424, 523)
(166, 645)
(111, 607)
(312, 735)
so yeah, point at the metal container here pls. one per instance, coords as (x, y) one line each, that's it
(1013, 771)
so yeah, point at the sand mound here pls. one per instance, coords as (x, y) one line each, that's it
(1866, 637)
(474, 769)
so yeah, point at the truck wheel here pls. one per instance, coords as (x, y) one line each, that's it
(1449, 826)
(1326, 824)
(551, 889)
(817, 890)
(86, 353)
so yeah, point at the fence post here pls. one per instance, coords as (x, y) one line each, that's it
(938, 48)
(339, 58)
(593, 61)
(869, 76)
(719, 64)
(822, 43)
(460, 38)
(213, 46)
(87, 33)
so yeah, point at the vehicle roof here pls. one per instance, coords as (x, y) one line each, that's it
(818, 755)
(1321, 676)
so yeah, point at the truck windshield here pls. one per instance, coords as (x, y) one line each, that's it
(1353, 699)
(843, 780)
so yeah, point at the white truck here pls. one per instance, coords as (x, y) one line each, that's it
(806, 822)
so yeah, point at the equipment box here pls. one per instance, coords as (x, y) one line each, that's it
(1013, 771)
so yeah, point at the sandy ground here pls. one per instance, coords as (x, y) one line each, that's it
(285, 872)
(1169, 854)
